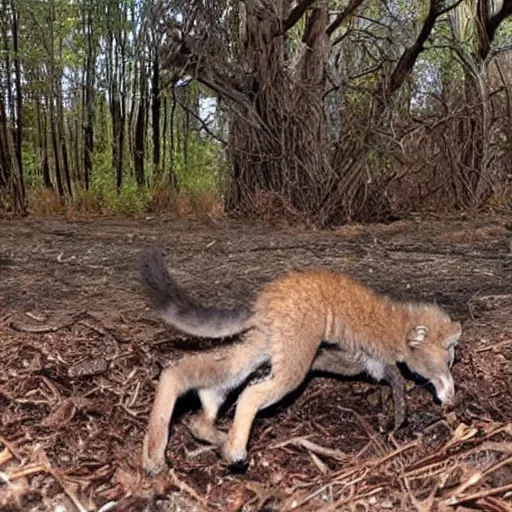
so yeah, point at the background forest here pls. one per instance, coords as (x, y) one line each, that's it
(321, 111)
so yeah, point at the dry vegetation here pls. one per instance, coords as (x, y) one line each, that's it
(80, 352)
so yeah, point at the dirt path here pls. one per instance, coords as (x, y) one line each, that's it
(75, 393)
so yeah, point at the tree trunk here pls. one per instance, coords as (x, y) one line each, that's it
(42, 125)
(51, 105)
(19, 104)
(55, 147)
(173, 181)
(62, 135)
(473, 179)
(88, 108)
(9, 179)
(284, 157)
(155, 111)
(164, 135)
(121, 38)
(116, 77)
(139, 129)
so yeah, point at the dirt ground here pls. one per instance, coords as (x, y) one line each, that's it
(80, 354)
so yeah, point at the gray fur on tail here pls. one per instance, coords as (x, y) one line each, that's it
(179, 309)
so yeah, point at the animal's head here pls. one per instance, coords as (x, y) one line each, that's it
(431, 351)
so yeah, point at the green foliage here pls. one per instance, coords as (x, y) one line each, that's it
(31, 166)
(200, 172)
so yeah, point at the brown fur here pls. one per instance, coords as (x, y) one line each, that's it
(289, 319)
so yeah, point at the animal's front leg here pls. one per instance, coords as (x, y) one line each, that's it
(397, 383)
(287, 374)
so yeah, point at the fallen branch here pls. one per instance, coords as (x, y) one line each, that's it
(314, 448)
(493, 346)
(478, 495)
(39, 329)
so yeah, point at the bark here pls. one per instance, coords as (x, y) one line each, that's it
(63, 137)
(156, 105)
(358, 201)
(116, 78)
(164, 135)
(88, 107)
(6, 158)
(19, 104)
(139, 130)
(54, 130)
(42, 124)
(489, 23)
(9, 180)
(473, 181)
(55, 147)
(173, 181)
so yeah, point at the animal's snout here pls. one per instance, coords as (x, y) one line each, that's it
(445, 389)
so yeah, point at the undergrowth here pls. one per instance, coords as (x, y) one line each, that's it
(192, 189)
(130, 201)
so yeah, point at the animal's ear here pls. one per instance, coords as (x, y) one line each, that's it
(453, 335)
(417, 336)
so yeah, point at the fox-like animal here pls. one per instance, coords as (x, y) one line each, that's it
(284, 328)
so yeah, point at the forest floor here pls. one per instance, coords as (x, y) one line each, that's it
(80, 354)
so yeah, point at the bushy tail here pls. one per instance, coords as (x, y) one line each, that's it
(179, 309)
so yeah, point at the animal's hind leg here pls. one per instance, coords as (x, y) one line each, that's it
(202, 425)
(288, 372)
(206, 370)
(155, 441)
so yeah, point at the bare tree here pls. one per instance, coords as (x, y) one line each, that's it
(278, 141)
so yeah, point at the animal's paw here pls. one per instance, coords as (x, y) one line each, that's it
(153, 461)
(204, 431)
(235, 457)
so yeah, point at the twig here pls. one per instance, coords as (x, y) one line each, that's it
(319, 463)
(480, 494)
(493, 346)
(10, 447)
(321, 489)
(337, 505)
(5, 456)
(199, 451)
(71, 495)
(393, 454)
(34, 317)
(98, 330)
(496, 466)
(26, 471)
(376, 439)
(204, 126)
(315, 448)
(38, 329)
(184, 487)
